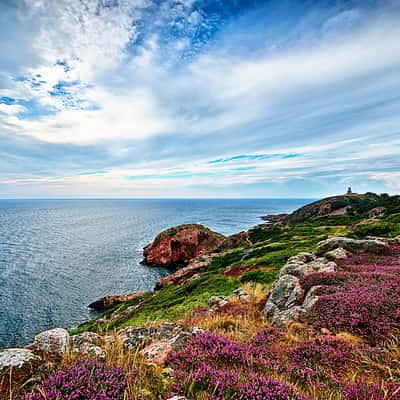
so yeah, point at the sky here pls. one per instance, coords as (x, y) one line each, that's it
(168, 98)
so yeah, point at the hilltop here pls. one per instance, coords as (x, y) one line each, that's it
(305, 307)
(368, 205)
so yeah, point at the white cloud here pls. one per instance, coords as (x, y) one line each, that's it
(138, 105)
(11, 109)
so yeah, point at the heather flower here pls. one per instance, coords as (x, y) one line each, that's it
(258, 387)
(364, 391)
(363, 297)
(86, 380)
(219, 351)
(321, 359)
(267, 336)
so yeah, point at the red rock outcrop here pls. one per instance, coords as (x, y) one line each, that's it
(108, 302)
(176, 246)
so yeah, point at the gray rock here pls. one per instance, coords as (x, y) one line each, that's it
(217, 301)
(53, 342)
(311, 298)
(337, 254)
(242, 295)
(352, 245)
(321, 265)
(90, 350)
(86, 337)
(16, 358)
(284, 318)
(136, 338)
(303, 257)
(301, 269)
(270, 309)
(286, 292)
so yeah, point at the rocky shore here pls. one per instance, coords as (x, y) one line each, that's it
(309, 302)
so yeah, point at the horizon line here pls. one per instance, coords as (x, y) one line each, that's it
(157, 198)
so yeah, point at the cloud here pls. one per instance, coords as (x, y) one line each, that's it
(185, 95)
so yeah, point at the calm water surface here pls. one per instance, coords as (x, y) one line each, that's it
(57, 256)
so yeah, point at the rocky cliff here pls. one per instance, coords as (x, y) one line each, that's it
(176, 246)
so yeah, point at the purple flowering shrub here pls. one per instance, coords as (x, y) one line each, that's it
(267, 336)
(321, 359)
(365, 391)
(363, 297)
(86, 380)
(218, 365)
(258, 387)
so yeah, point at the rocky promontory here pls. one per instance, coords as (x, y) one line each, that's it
(176, 246)
(290, 310)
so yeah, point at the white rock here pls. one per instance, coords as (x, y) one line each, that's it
(53, 342)
(16, 358)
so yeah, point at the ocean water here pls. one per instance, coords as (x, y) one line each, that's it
(57, 256)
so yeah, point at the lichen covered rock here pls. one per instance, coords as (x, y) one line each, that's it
(53, 342)
(352, 245)
(17, 358)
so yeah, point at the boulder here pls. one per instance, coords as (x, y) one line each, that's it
(284, 318)
(242, 296)
(157, 353)
(337, 254)
(53, 342)
(303, 257)
(300, 269)
(352, 245)
(108, 302)
(218, 301)
(17, 358)
(286, 292)
(137, 338)
(92, 350)
(18, 364)
(87, 343)
(86, 338)
(176, 246)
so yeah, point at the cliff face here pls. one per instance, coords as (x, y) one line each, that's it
(177, 246)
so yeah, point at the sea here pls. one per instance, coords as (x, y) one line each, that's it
(57, 256)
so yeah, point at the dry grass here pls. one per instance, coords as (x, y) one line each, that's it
(240, 327)
(152, 380)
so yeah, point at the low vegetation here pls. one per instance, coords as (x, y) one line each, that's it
(347, 349)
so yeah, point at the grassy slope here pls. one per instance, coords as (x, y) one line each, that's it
(270, 247)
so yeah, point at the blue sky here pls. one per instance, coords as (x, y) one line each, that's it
(146, 98)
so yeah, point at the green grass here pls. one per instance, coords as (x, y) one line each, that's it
(272, 246)
(258, 276)
(387, 229)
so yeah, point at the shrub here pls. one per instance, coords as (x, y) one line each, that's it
(364, 391)
(362, 298)
(259, 276)
(267, 336)
(317, 358)
(89, 380)
(259, 387)
(389, 229)
(260, 234)
(226, 260)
